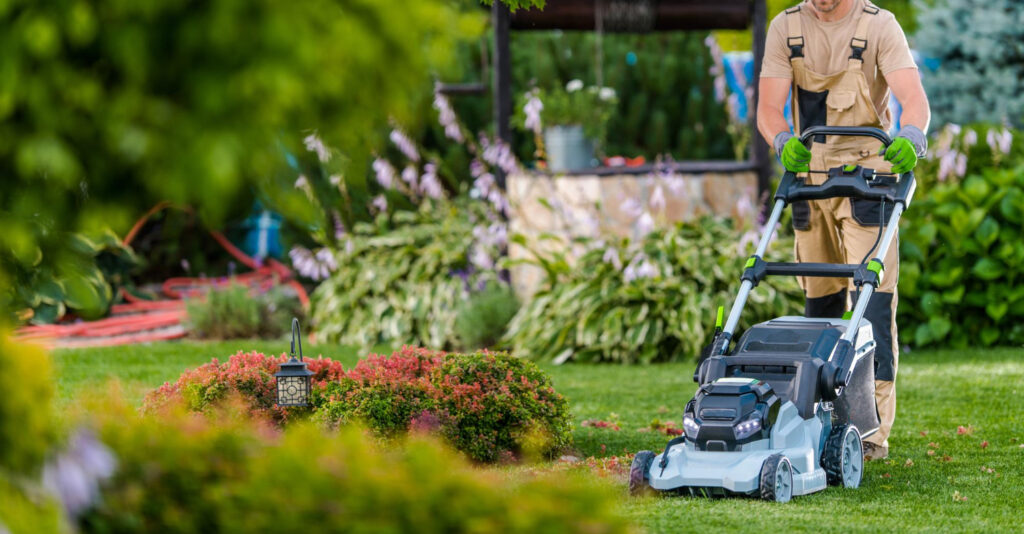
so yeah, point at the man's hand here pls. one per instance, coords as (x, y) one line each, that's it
(794, 155)
(910, 142)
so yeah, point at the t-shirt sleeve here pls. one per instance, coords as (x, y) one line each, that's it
(776, 53)
(893, 50)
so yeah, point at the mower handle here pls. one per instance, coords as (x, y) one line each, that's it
(808, 135)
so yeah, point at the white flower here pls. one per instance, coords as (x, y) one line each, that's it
(631, 207)
(657, 200)
(316, 145)
(301, 182)
(532, 109)
(385, 173)
(574, 85)
(380, 202)
(999, 141)
(640, 267)
(970, 138)
(645, 224)
(335, 179)
(606, 93)
(961, 165)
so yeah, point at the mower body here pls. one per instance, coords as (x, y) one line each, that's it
(763, 400)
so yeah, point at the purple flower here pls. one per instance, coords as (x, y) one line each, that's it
(970, 138)
(480, 258)
(498, 153)
(532, 110)
(316, 145)
(446, 116)
(1000, 141)
(404, 144)
(612, 256)
(385, 173)
(639, 267)
(429, 184)
(75, 475)
(632, 207)
(476, 168)
(410, 176)
(339, 225)
(644, 224)
(315, 266)
(380, 202)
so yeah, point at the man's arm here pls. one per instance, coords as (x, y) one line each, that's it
(771, 120)
(906, 86)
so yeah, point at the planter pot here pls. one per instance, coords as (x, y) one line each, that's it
(568, 149)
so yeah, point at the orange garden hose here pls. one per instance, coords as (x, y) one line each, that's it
(141, 321)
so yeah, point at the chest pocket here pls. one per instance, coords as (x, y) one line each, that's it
(842, 109)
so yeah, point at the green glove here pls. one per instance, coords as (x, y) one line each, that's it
(794, 155)
(910, 142)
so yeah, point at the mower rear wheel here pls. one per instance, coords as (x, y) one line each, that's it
(843, 457)
(639, 481)
(777, 479)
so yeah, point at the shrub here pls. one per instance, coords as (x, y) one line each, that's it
(401, 280)
(234, 311)
(482, 320)
(649, 300)
(962, 256)
(487, 405)
(185, 473)
(20, 514)
(249, 375)
(27, 423)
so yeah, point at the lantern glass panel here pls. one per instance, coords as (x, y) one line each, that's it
(292, 390)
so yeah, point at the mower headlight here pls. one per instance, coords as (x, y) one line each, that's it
(747, 428)
(690, 426)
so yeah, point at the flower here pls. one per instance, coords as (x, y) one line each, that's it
(380, 202)
(606, 93)
(429, 184)
(385, 173)
(612, 256)
(301, 182)
(498, 153)
(644, 224)
(410, 176)
(639, 267)
(481, 259)
(335, 180)
(75, 475)
(532, 109)
(316, 145)
(404, 144)
(446, 116)
(574, 85)
(970, 138)
(657, 200)
(631, 207)
(313, 265)
(999, 141)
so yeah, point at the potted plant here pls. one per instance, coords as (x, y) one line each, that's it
(569, 123)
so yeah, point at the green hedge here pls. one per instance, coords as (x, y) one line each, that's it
(962, 263)
(596, 311)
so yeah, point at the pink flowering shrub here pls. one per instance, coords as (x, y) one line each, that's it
(489, 405)
(249, 375)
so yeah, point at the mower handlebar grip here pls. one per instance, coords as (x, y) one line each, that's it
(808, 135)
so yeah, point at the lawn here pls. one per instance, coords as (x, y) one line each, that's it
(973, 479)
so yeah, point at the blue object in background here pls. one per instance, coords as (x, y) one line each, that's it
(263, 234)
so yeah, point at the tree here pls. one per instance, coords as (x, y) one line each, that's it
(980, 59)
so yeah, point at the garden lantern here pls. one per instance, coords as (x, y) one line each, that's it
(293, 379)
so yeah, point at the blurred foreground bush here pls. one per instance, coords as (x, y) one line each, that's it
(962, 256)
(653, 299)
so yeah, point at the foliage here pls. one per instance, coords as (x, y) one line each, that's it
(672, 106)
(402, 278)
(481, 321)
(27, 425)
(962, 256)
(487, 405)
(249, 376)
(233, 311)
(21, 514)
(106, 106)
(655, 302)
(48, 288)
(182, 473)
(979, 76)
(574, 105)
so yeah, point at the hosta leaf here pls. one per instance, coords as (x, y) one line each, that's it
(988, 269)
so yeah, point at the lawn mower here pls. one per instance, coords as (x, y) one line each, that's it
(783, 412)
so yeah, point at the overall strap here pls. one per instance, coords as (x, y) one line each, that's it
(859, 43)
(795, 41)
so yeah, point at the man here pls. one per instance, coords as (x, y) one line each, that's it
(840, 58)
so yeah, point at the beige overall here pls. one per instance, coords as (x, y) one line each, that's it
(843, 230)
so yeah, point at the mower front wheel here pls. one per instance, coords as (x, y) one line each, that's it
(777, 479)
(639, 481)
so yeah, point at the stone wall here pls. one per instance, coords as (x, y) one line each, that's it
(610, 205)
